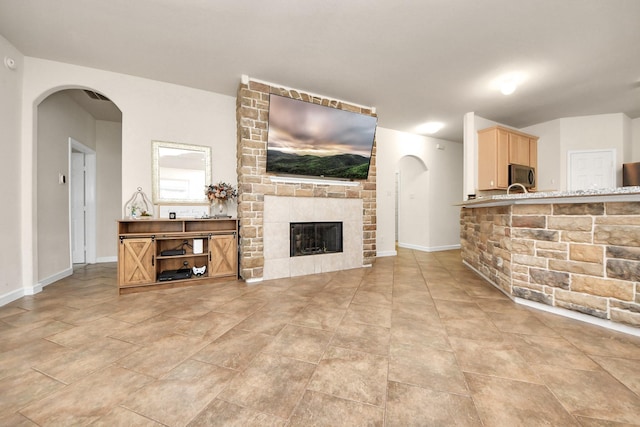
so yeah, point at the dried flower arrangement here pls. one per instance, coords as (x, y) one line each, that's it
(220, 191)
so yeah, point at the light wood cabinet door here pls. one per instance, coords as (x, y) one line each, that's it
(502, 172)
(487, 155)
(533, 153)
(224, 255)
(518, 149)
(136, 259)
(493, 159)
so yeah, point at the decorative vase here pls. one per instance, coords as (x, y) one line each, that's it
(219, 208)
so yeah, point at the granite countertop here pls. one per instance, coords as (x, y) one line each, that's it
(619, 194)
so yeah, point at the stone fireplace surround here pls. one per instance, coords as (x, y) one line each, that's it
(260, 196)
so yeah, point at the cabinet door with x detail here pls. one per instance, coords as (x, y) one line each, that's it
(137, 261)
(223, 255)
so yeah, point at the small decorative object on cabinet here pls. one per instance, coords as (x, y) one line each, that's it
(218, 208)
(138, 206)
(159, 254)
(218, 194)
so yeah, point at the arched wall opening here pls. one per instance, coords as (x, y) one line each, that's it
(75, 205)
(412, 214)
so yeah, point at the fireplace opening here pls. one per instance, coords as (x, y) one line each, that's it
(314, 238)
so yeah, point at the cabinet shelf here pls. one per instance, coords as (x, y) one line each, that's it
(141, 243)
(160, 257)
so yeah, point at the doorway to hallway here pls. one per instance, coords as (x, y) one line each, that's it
(82, 202)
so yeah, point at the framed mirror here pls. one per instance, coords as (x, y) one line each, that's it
(180, 172)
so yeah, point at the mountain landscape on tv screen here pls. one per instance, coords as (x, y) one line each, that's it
(347, 166)
(315, 140)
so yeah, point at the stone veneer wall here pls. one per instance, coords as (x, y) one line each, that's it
(252, 111)
(581, 257)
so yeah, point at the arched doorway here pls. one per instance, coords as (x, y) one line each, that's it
(412, 210)
(73, 203)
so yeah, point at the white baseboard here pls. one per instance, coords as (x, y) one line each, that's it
(428, 249)
(11, 296)
(253, 281)
(49, 280)
(105, 259)
(32, 290)
(580, 316)
(386, 253)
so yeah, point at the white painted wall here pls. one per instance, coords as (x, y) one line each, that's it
(549, 172)
(433, 176)
(59, 117)
(11, 251)
(558, 137)
(108, 188)
(627, 137)
(470, 162)
(151, 110)
(605, 131)
(445, 185)
(386, 146)
(414, 210)
(635, 140)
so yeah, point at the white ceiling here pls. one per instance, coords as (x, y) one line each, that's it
(414, 60)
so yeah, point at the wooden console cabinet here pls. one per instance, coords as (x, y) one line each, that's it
(146, 248)
(498, 147)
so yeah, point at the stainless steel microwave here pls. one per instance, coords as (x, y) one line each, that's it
(525, 175)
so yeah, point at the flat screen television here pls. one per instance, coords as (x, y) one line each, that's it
(308, 139)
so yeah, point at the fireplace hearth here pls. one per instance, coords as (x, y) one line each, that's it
(315, 238)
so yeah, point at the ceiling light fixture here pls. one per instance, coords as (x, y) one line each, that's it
(429, 128)
(508, 83)
(508, 87)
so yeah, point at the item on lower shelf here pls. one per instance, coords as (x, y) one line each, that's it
(199, 271)
(173, 252)
(197, 246)
(180, 274)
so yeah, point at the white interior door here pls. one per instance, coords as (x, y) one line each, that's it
(397, 216)
(591, 169)
(78, 208)
(82, 195)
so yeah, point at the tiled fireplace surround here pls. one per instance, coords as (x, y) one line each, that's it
(279, 212)
(266, 206)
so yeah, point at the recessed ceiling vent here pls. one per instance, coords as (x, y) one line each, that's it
(95, 95)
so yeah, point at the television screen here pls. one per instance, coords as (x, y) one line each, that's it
(314, 140)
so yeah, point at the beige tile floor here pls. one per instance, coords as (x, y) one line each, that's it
(416, 340)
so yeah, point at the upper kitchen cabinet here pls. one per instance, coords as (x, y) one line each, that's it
(493, 154)
(518, 149)
(533, 152)
(498, 147)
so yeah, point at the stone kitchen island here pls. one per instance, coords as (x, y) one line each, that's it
(573, 253)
